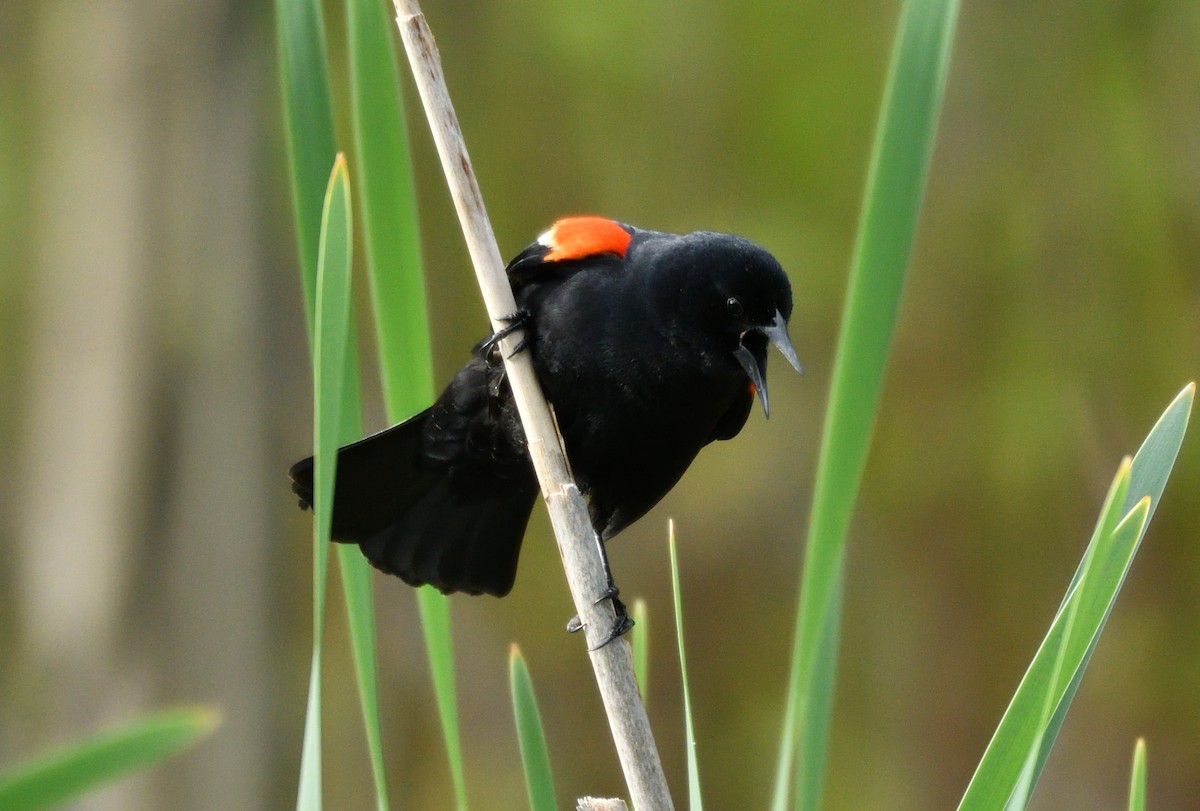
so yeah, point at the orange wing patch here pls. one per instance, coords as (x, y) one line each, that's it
(579, 237)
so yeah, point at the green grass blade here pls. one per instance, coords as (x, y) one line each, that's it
(1153, 462)
(1020, 731)
(535, 755)
(693, 766)
(308, 126)
(54, 779)
(895, 186)
(311, 141)
(360, 610)
(1156, 457)
(1148, 478)
(389, 210)
(1137, 780)
(435, 621)
(640, 643)
(308, 797)
(787, 743)
(1054, 650)
(389, 223)
(815, 730)
(332, 332)
(311, 147)
(394, 270)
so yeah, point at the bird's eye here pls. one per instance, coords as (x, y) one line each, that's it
(734, 307)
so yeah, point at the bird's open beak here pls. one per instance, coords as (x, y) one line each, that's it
(756, 367)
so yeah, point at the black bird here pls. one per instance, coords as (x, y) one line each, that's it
(648, 346)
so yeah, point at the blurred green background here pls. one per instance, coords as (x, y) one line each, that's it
(154, 387)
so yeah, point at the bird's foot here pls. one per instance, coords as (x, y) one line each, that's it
(488, 347)
(622, 623)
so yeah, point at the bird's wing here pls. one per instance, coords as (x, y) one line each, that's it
(566, 246)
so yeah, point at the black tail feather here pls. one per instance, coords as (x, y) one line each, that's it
(455, 545)
(413, 520)
(372, 477)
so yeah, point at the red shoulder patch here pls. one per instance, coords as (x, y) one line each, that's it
(579, 237)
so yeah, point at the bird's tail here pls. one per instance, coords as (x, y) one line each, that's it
(421, 520)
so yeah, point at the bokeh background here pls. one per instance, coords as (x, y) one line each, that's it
(154, 388)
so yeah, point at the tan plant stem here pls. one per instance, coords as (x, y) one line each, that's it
(577, 542)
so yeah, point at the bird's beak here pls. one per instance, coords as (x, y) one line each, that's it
(756, 367)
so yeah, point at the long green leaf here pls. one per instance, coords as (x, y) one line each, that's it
(389, 210)
(1155, 458)
(1019, 732)
(308, 126)
(693, 766)
(397, 284)
(1017, 753)
(1054, 653)
(360, 610)
(1137, 779)
(311, 141)
(640, 646)
(535, 755)
(435, 622)
(311, 147)
(1148, 478)
(895, 186)
(1153, 462)
(51, 780)
(332, 331)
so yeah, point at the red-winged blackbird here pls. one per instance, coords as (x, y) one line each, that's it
(647, 345)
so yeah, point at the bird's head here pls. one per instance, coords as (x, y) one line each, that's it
(731, 296)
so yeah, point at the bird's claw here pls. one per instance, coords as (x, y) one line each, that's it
(513, 322)
(622, 623)
(621, 626)
(611, 592)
